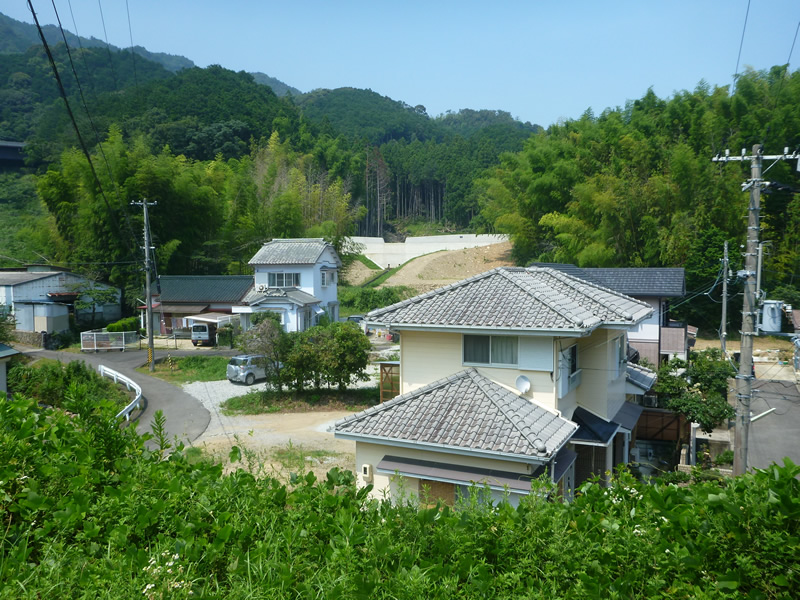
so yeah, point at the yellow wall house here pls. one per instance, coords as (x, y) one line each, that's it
(503, 376)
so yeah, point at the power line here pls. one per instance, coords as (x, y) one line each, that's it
(108, 47)
(133, 53)
(91, 121)
(741, 45)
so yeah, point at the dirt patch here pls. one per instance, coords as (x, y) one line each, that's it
(435, 270)
(358, 273)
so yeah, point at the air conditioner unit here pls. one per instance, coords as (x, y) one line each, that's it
(366, 472)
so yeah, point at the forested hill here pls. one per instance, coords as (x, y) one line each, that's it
(28, 89)
(364, 114)
(636, 186)
(280, 88)
(16, 37)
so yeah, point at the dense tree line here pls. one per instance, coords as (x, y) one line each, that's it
(636, 186)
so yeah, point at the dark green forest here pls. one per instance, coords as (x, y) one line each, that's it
(231, 165)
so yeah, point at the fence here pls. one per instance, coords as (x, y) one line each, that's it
(97, 340)
(130, 384)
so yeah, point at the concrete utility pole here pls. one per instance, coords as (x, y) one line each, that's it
(724, 327)
(750, 274)
(147, 270)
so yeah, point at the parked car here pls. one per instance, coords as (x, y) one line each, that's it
(204, 334)
(246, 368)
(359, 320)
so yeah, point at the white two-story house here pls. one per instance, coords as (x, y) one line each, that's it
(503, 376)
(296, 278)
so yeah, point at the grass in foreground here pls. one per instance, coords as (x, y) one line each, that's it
(189, 368)
(259, 402)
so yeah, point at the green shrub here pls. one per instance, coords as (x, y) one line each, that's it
(724, 458)
(126, 324)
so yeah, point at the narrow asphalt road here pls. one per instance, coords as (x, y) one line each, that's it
(187, 419)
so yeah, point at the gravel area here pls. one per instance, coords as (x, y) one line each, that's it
(261, 435)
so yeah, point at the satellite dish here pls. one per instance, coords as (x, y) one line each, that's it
(523, 384)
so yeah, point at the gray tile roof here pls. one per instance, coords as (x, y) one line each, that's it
(516, 299)
(204, 289)
(640, 376)
(666, 282)
(293, 294)
(300, 251)
(463, 412)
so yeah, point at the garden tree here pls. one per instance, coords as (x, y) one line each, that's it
(268, 339)
(7, 324)
(635, 186)
(90, 295)
(698, 389)
(342, 351)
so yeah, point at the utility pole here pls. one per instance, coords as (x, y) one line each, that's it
(724, 327)
(148, 295)
(750, 274)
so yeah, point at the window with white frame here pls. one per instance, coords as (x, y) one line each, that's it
(281, 280)
(327, 278)
(622, 355)
(570, 374)
(495, 350)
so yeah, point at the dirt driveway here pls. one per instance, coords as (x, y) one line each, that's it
(273, 444)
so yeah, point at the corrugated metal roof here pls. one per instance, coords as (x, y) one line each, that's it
(17, 277)
(299, 251)
(6, 351)
(465, 411)
(513, 298)
(204, 289)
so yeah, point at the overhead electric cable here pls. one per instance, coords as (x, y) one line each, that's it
(108, 47)
(741, 45)
(91, 121)
(133, 52)
(63, 93)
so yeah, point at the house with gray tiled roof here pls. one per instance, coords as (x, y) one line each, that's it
(540, 344)
(658, 338)
(297, 279)
(180, 299)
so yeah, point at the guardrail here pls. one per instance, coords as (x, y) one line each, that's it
(130, 384)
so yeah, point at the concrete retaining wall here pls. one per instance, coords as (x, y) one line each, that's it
(392, 254)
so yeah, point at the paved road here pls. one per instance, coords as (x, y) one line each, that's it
(775, 435)
(187, 418)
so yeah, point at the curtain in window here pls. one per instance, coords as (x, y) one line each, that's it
(476, 349)
(504, 350)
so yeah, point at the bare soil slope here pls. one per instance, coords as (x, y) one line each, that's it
(442, 268)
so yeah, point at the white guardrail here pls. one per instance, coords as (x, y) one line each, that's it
(129, 383)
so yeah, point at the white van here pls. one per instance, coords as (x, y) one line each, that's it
(204, 334)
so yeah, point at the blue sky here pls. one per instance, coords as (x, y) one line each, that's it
(540, 61)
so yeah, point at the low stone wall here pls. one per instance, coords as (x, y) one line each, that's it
(29, 338)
